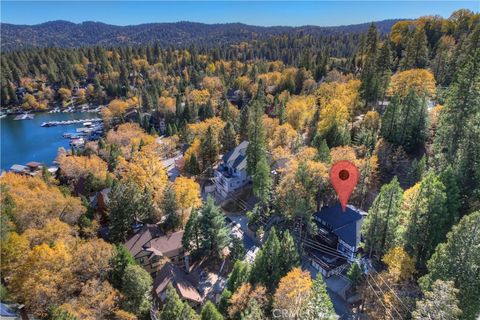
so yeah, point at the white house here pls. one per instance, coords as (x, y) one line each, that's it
(231, 173)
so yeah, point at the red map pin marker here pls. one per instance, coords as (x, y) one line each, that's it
(344, 177)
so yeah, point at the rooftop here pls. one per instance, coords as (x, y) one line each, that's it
(343, 224)
(180, 281)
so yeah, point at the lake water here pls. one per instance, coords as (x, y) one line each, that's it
(25, 140)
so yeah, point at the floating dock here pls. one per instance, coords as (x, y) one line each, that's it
(69, 122)
(25, 116)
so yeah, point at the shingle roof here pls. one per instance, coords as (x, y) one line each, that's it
(179, 279)
(137, 241)
(343, 224)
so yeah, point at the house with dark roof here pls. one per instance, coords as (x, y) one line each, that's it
(151, 248)
(231, 173)
(345, 226)
(337, 239)
(185, 284)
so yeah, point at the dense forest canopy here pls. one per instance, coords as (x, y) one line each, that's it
(181, 34)
(403, 106)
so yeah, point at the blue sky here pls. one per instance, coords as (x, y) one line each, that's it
(292, 13)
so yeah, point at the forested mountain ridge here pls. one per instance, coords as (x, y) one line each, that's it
(69, 35)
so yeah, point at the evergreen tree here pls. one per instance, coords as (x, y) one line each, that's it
(370, 88)
(238, 276)
(256, 149)
(224, 303)
(127, 204)
(355, 274)
(209, 312)
(137, 286)
(439, 303)
(209, 149)
(274, 260)
(189, 313)
(208, 112)
(173, 306)
(382, 222)
(262, 180)
(228, 137)
(119, 261)
(192, 166)
(173, 220)
(215, 234)
(416, 53)
(384, 65)
(191, 235)
(458, 123)
(253, 311)
(323, 152)
(320, 306)
(237, 250)
(404, 121)
(457, 260)
(427, 224)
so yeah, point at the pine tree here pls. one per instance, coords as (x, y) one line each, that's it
(173, 220)
(382, 221)
(427, 224)
(136, 287)
(215, 234)
(238, 276)
(126, 204)
(209, 149)
(439, 303)
(256, 149)
(416, 53)
(370, 89)
(191, 235)
(384, 65)
(262, 180)
(355, 274)
(209, 312)
(323, 152)
(228, 137)
(274, 260)
(208, 112)
(118, 263)
(460, 249)
(320, 306)
(173, 306)
(224, 303)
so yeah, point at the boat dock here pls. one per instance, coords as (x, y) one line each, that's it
(69, 122)
(24, 116)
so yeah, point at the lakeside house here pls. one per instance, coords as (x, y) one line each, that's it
(337, 240)
(231, 173)
(32, 168)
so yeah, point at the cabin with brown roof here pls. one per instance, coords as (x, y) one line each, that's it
(185, 284)
(152, 248)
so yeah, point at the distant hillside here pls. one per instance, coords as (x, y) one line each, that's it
(70, 35)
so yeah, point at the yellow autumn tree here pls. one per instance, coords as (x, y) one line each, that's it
(421, 81)
(97, 300)
(401, 266)
(37, 202)
(283, 136)
(44, 279)
(199, 97)
(242, 297)
(146, 170)
(14, 249)
(74, 167)
(293, 293)
(199, 129)
(187, 195)
(54, 230)
(300, 110)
